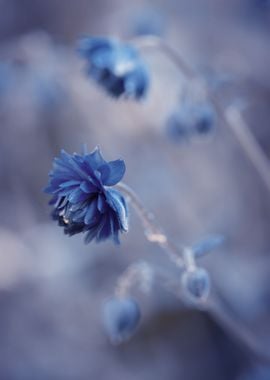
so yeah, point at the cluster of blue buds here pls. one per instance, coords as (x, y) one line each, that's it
(191, 119)
(83, 198)
(121, 317)
(115, 66)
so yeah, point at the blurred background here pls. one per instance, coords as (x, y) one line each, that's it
(52, 287)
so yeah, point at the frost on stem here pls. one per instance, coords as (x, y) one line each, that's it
(139, 273)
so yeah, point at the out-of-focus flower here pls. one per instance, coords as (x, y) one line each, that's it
(121, 317)
(115, 66)
(189, 120)
(177, 128)
(196, 283)
(83, 199)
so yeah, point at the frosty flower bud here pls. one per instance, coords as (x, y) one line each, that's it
(196, 283)
(121, 317)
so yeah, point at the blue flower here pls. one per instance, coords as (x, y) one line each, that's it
(117, 67)
(121, 317)
(83, 199)
(190, 120)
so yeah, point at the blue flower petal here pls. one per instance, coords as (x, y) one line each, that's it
(77, 196)
(101, 203)
(112, 172)
(95, 159)
(91, 212)
(88, 187)
(118, 204)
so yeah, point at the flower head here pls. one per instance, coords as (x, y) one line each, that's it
(190, 120)
(83, 199)
(121, 317)
(117, 67)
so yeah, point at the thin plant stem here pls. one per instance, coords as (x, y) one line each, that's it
(152, 231)
(140, 273)
(149, 42)
(231, 117)
(249, 143)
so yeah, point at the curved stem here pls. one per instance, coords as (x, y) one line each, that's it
(140, 273)
(152, 231)
(149, 42)
(231, 117)
(249, 143)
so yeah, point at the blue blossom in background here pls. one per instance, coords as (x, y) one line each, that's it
(177, 128)
(121, 317)
(190, 120)
(117, 67)
(83, 197)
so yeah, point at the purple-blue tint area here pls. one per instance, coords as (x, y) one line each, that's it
(52, 285)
